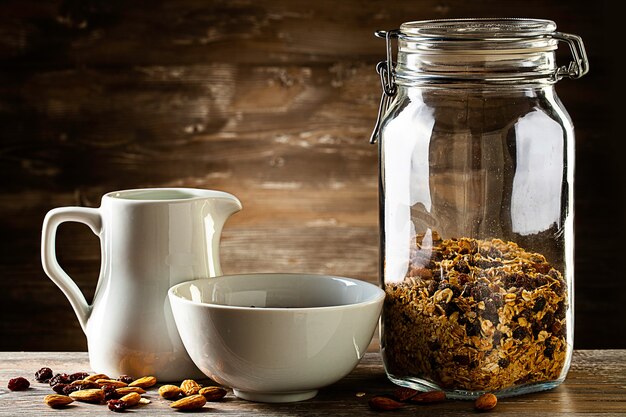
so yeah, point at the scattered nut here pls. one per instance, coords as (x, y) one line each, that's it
(485, 402)
(144, 382)
(170, 392)
(111, 382)
(57, 401)
(213, 393)
(429, 397)
(82, 384)
(88, 395)
(192, 402)
(384, 404)
(190, 387)
(131, 399)
(96, 377)
(96, 388)
(128, 390)
(403, 393)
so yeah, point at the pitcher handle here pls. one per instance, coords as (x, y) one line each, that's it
(92, 218)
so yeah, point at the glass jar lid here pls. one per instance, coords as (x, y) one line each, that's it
(478, 37)
(480, 49)
(486, 51)
(481, 28)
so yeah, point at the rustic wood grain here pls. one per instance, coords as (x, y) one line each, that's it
(596, 385)
(272, 100)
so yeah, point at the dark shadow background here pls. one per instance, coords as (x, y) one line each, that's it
(271, 100)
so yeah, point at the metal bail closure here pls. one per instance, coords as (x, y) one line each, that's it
(386, 71)
(580, 65)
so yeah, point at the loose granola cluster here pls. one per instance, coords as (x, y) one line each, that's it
(478, 315)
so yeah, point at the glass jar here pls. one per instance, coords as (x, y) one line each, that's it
(476, 200)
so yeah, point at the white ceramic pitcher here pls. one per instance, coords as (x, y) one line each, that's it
(151, 239)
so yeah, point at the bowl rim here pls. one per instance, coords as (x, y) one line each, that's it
(377, 298)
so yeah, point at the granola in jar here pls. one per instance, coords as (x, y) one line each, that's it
(476, 315)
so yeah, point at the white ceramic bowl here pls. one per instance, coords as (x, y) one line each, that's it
(276, 337)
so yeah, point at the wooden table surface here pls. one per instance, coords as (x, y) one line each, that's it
(596, 385)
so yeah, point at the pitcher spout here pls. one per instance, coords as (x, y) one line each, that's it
(227, 205)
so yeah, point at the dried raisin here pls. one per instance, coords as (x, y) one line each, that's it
(450, 308)
(68, 389)
(462, 359)
(78, 376)
(480, 292)
(462, 267)
(59, 388)
(549, 351)
(116, 405)
(491, 312)
(125, 378)
(434, 345)
(547, 321)
(18, 384)
(43, 375)
(59, 378)
(520, 333)
(497, 299)
(473, 328)
(497, 336)
(540, 303)
(110, 392)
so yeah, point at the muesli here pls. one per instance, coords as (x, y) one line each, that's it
(477, 315)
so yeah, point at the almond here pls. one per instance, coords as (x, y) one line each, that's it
(83, 384)
(131, 399)
(192, 402)
(384, 404)
(96, 377)
(170, 392)
(403, 393)
(212, 393)
(190, 387)
(88, 395)
(429, 397)
(143, 382)
(128, 390)
(57, 401)
(111, 382)
(485, 402)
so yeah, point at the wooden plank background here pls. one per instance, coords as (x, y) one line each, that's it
(272, 101)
